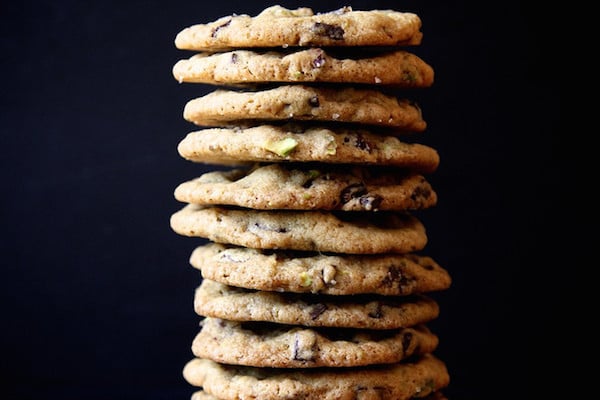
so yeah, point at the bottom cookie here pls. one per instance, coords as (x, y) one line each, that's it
(417, 378)
(202, 395)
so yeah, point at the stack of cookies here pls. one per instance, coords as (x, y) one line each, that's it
(312, 282)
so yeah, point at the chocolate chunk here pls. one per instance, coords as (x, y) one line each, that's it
(304, 347)
(270, 228)
(370, 202)
(331, 31)
(314, 101)
(317, 310)
(421, 192)
(407, 338)
(395, 277)
(428, 267)
(310, 179)
(362, 144)
(319, 61)
(223, 25)
(352, 191)
(377, 312)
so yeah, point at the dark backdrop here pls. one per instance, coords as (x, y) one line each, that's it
(96, 290)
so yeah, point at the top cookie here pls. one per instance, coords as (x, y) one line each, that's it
(277, 26)
(400, 69)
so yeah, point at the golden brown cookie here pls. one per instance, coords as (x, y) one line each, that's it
(264, 344)
(326, 231)
(397, 68)
(310, 187)
(359, 106)
(310, 272)
(277, 26)
(213, 299)
(293, 143)
(402, 381)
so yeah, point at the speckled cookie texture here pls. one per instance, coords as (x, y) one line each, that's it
(277, 26)
(314, 279)
(291, 143)
(213, 299)
(309, 272)
(316, 187)
(341, 232)
(397, 68)
(291, 346)
(202, 395)
(229, 107)
(400, 381)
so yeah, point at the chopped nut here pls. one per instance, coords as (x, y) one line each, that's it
(328, 273)
(305, 279)
(281, 147)
(332, 149)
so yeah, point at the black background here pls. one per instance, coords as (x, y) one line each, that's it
(96, 290)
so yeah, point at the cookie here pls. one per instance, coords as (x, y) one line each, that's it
(293, 143)
(418, 378)
(266, 344)
(307, 272)
(316, 187)
(277, 26)
(326, 231)
(364, 106)
(202, 395)
(400, 69)
(213, 299)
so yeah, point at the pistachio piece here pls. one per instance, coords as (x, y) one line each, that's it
(281, 147)
(305, 279)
